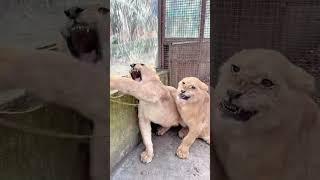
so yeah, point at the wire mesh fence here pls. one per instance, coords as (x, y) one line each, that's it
(291, 27)
(184, 40)
(182, 18)
(207, 21)
(189, 59)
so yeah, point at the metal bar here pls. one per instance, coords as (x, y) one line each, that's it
(185, 42)
(202, 19)
(161, 33)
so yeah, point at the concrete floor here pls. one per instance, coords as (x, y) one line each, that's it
(165, 164)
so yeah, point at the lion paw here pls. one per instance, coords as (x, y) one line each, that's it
(162, 130)
(206, 139)
(146, 157)
(182, 152)
(183, 132)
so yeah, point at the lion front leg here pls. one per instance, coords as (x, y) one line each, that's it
(183, 149)
(133, 88)
(183, 132)
(145, 129)
(98, 152)
(162, 130)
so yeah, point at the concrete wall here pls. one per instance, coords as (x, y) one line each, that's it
(124, 130)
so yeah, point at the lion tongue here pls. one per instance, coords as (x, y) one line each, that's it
(88, 57)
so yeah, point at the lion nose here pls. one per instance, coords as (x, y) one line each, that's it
(132, 65)
(233, 94)
(73, 12)
(183, 91)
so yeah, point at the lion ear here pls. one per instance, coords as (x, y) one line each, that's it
(203, 86)
(301, 80)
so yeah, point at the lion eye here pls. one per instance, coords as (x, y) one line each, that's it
(183, 83)
(235, 68)
(193, 87)
(267, 83)
(79, 10)
(103, 10)
(142, 64)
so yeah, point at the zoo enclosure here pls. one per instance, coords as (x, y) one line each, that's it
(184, 39)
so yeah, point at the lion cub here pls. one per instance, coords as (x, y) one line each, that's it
(193, 103)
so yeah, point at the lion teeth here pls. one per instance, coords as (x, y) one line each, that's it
(231, 108)
(81, 28)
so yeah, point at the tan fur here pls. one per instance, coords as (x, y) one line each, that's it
(156, 104)
(281, 141)
(60, 79)
(195, 113)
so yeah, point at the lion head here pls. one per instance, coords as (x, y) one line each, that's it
(85, 32)
(255, 84)
(191, 89)
(142, 73)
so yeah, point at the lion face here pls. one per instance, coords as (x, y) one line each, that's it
(82, 32)
(190, 89)
(256, 83)
(142, 73)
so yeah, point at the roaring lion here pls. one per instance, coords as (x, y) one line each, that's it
(193, 104)
(59, 78)
(266, 123)
(156, 103)
(84, 35)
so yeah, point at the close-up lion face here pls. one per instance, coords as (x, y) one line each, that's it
(83, 32)
(141, 72)
(257, 83)
(190, 89)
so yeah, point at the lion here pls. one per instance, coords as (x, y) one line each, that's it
(60, 79)
(266, 123)
(156, 103)
(84, 35)
(193, 103)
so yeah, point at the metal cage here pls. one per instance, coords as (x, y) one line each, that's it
(186, 53)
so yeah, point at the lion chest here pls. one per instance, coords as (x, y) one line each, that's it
(250, 159)
(190, 114)
(155, 112)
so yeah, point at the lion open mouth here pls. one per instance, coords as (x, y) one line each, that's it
(136, 75)
(236, 112)
(183, 96)
(83, 42)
